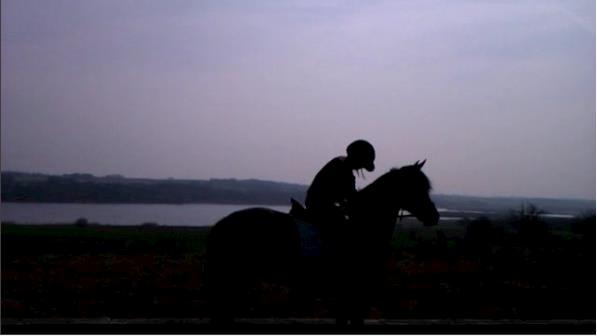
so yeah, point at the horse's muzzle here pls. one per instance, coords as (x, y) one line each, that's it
(432, 217)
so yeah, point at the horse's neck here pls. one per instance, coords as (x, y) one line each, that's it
(383, 192)
(378, 199)
(374, 218)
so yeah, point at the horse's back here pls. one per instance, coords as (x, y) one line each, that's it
(254, 223)
(254, 234)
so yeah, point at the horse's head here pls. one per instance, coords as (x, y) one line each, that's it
(414, 187)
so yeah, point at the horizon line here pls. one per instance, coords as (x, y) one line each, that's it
(286, 182)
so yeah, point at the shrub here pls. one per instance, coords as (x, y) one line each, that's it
(529, 223)
(81, 222)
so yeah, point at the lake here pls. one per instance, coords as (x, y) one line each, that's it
(122, 214)
(163, 214)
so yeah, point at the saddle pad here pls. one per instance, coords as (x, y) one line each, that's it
(310, 239)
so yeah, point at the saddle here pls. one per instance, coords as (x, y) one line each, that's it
(298, 210)
(309, 233)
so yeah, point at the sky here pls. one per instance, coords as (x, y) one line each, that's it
(498, 96)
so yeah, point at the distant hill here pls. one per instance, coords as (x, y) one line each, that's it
(87, 188)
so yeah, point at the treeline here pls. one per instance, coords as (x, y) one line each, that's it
(85, 188)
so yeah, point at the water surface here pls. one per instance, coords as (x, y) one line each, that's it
(122, 214)
(163, 214)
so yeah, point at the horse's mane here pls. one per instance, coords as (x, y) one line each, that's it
(404, 177)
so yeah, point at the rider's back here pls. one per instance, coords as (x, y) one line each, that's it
(331, 187)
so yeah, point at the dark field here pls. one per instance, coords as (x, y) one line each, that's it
(515, 267)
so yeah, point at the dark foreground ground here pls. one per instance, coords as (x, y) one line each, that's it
(516, 274)
(297, 326)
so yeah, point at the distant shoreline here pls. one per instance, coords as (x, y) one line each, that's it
(19, 187)
(10, 178)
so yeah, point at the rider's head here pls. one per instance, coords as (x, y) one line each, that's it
(361, 155)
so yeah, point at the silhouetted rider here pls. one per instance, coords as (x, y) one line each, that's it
(334, 184)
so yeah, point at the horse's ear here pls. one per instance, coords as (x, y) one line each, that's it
(420, 165)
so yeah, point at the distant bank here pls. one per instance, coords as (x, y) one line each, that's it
(86, 188)
(116, 189)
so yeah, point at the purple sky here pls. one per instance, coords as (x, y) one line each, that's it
(499, 96)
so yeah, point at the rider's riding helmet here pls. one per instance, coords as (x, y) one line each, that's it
(363, 153)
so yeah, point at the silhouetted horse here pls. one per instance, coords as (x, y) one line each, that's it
(259, 243)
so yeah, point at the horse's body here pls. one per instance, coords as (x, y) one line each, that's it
(260, 243)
